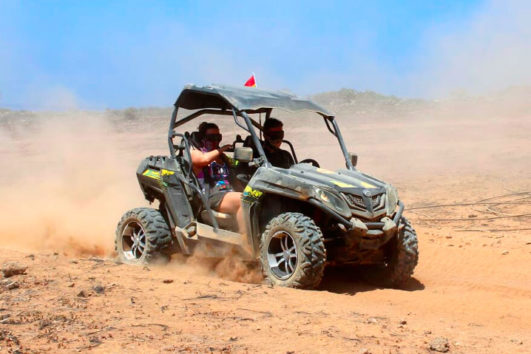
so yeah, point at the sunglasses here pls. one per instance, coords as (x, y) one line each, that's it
(213, 137)
(275, 135)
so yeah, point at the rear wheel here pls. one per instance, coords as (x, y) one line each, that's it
(292, 251)
(142, 236)
(403, 255)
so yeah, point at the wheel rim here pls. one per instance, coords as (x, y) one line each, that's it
(282, 255)
(133, 241)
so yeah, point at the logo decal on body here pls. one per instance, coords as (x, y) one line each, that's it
(249, 192)
(151, 174)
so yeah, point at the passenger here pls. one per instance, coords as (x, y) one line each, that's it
(211, 167)
(273, 136)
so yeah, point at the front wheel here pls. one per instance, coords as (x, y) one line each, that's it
(403, 255)
(292, 251)
(142, 236)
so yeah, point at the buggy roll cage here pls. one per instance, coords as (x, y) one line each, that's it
(331, 125)
(238, 102)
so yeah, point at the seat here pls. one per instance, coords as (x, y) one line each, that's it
(248, 142)
(195, 139)
(225, 221)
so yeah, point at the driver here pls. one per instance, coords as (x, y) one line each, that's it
(273, 136)
(211, 167)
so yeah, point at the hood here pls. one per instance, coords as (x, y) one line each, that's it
(362, 195)
(343, 180)
(367, 196)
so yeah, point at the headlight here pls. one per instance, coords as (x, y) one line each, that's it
(333, 201)
(392, 199)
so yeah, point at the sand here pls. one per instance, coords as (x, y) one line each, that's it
(67, 179)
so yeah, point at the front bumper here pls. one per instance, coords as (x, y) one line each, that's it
(373, 235)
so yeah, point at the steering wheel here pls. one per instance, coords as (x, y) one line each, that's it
(311, 162)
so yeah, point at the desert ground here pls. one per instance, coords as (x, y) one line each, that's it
(462, 168)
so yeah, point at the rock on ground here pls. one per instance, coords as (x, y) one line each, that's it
(440, 344)
(13, 268)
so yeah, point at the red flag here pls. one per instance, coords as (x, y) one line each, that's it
(251, 82)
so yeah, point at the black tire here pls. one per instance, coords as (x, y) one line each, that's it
(306, 271)
(403, 255)
(156, 235)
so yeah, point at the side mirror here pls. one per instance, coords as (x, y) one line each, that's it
(243, 154)
(353, 158)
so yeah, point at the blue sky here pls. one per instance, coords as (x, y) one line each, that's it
(98, 54)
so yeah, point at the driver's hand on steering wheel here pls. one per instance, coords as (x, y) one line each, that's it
(225, 147)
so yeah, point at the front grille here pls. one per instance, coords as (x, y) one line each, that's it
(357, 202)
(378, 202)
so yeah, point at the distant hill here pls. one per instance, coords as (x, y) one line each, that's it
(356, 102)
(348, 97)
(358, 105)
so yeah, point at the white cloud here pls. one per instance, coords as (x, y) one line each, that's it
(490, 51)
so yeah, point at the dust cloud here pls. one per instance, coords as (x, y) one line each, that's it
(65, 181)
(68, 177)
(224, 261)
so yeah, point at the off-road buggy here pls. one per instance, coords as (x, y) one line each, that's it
(296, 220)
